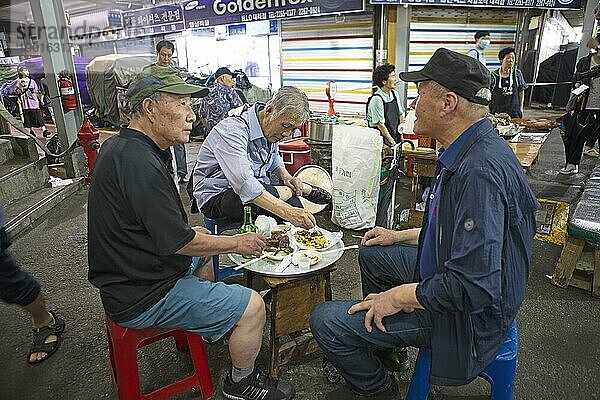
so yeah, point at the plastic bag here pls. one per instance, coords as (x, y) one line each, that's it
(356, 168)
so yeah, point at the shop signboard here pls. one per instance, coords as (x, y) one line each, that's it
(114, 19)
(551, 4)
(201, 13)
(153, 21)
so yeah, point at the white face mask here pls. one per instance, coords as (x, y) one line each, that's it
(484, 44)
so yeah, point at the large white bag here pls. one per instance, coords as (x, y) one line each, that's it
(356, 169)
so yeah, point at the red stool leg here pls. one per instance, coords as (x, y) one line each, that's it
(111, 355)
(180, 340)
(201, 368)
(125, 369)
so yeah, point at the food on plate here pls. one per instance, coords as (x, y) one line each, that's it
(502, 119)
(313, 255)
(278, 246)
(280, 229)
(312, 238)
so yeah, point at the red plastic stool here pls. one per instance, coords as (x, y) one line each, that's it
(122, 348)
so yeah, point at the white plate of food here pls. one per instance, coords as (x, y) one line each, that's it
(282, 269)
(314, 239)
(278, 245)
(313, 255)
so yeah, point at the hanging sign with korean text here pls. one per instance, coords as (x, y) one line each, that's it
(201, 13)
(153, 21)
(551, 4)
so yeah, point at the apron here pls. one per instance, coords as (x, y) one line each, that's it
(506, 99)
(391, 115)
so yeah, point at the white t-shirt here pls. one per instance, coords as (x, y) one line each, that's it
(478, 55)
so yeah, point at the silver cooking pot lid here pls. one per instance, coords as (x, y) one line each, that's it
(317, 176)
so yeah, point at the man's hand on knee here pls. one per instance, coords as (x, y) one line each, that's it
(378, 236)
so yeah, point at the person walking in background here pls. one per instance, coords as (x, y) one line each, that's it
(482, 42)
(164, 58)
(580, 124)
(45, 96)
(20, 288)
(221, 99)
(384, 111)
(29, 97)
(508, 86)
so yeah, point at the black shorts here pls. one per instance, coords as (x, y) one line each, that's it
(228, 205)
(16, 285)
(33, 118)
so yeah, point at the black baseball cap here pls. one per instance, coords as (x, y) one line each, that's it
(461, 74)
(224, 71)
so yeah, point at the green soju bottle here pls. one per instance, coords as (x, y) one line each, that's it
(248, 225)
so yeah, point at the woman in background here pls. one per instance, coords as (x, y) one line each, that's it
(29, 97)
(508, 86)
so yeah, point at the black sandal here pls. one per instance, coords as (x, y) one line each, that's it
(318, 195)
(41, 334)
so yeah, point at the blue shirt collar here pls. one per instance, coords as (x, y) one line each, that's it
(256, 131)
(448, 156)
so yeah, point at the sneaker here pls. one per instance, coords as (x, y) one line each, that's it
(344, 393)
(330, 372)
(590, 151)
(570, 169)
(257, 386)
(394, 360)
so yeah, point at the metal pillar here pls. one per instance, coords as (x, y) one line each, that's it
(380, 22)
(589, 22)
(402, 48)
(53, 39)
(536, 64)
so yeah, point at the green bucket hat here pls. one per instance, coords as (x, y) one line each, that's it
(160, 79)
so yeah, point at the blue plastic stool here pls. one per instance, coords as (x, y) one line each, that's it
(218, 226)
(500, 374)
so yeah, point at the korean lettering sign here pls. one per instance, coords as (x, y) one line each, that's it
(151, 21)
(201, 13)
(553, 4)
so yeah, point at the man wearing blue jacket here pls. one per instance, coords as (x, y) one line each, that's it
(458, 291)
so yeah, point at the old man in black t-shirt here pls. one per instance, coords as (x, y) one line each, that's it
(140, 242)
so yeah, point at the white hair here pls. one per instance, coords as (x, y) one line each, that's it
(465, 106)
(138, 109)
(291, 102)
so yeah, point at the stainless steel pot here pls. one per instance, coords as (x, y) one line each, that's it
(321, 132)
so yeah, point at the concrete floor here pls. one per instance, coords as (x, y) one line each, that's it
(559, 330)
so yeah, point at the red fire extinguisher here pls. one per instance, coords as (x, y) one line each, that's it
(67, 91)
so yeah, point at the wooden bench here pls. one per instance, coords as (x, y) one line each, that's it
(292, 302)
(583, 231)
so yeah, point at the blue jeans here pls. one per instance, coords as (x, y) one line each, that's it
(343, 337)
(180, 160)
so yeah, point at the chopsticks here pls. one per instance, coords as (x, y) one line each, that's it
(354, 246)
(244, 265)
